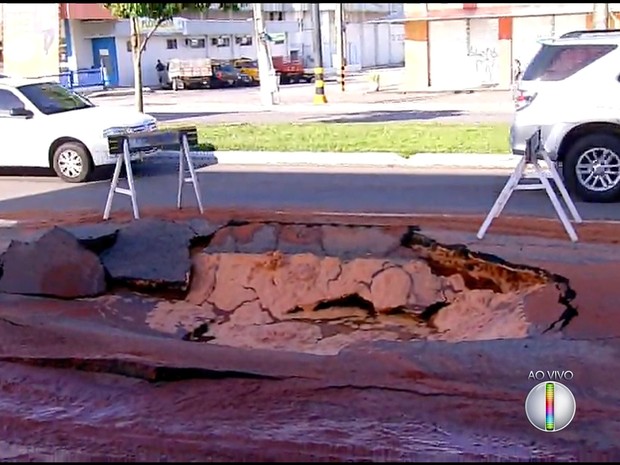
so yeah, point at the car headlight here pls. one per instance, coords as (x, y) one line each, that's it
(150, 125)
(115, 131)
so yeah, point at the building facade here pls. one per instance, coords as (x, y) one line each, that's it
(367, 43)
(88, 36)
(468, 45)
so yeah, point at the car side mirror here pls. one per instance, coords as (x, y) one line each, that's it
(21, 112)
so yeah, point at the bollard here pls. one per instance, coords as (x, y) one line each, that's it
(375, 82)
(319, 86)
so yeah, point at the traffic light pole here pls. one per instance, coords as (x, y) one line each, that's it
(341, 42)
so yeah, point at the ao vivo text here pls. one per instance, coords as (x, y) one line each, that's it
(551, 375)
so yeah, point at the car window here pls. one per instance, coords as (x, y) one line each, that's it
(8, 101)
(51, 98)
(558, 62)
(227, 68)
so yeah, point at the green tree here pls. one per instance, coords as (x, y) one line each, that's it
(158, 13)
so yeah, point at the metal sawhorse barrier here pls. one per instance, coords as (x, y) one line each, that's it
(534, 151)
(123, 146)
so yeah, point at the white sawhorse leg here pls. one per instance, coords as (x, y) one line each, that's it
(131, 192)
(513, 185)
(503, 197)
(562, 188)
(185, 157)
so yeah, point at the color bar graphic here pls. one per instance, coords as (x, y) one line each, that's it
(549, 397)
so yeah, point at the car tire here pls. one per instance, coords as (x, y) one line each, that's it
(575, 156)
(72, 162)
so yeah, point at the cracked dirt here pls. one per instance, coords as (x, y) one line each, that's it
(277, 340)
(338, 285)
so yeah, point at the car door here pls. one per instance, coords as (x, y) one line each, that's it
(16, 131)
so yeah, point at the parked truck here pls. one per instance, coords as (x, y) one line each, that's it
(291, 71)
(187, 73)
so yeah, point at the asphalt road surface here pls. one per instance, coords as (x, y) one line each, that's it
(366, 190)
(356, 104)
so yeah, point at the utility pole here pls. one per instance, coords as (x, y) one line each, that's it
(341, 42)
(601, 15)
(269, 93)
(317, 41)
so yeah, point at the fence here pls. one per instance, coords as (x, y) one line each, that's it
(82, 78)
(91, 77)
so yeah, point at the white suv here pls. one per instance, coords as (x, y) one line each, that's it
(45, 125)
(571, 90)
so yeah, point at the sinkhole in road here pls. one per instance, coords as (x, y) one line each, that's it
(320, 288)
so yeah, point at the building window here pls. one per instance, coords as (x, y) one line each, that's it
(171, 44)
(276, 16)
(221, 41)
(195, 43)
(243, 41)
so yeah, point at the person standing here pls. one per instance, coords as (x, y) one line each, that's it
(161, 72)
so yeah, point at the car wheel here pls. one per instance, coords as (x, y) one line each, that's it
(72, 162)
(591, 168)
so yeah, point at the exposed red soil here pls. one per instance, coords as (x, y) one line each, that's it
(602, 232)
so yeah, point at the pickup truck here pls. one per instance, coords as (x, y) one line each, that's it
(187, 73)
(291, 71)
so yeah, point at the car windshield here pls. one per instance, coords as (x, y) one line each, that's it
(227, 68)
(51, 98)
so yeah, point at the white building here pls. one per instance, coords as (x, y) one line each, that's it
(88, 36)
(107, 43)
(367, 44)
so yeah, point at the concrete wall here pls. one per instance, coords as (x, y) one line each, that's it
(367, 44)
(439, 61)
(31, 39)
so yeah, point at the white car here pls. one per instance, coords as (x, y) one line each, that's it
(46, 125)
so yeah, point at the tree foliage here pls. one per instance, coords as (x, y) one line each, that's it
(160, 10)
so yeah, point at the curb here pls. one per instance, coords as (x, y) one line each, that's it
(116, 92)
(369, 159)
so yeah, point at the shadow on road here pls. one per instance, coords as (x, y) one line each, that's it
(382, 190)
(387, 116)
(102, 173)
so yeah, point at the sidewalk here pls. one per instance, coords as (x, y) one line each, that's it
(361, 159)
(115, 92)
